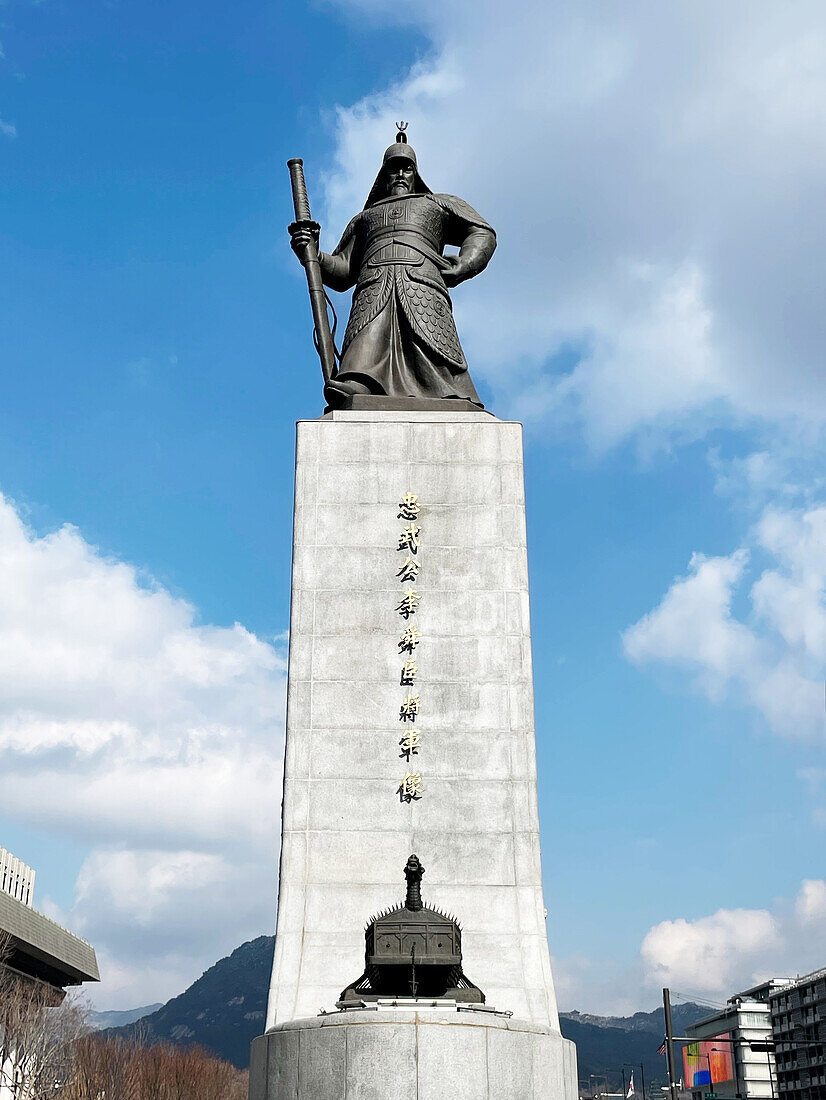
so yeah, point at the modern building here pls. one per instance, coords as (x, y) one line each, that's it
(798, 1013)
(721, 1061)
(43, 950)
(36, 948)
(16, 878)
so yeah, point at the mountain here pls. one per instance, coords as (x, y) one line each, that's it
(682, 1015)
(98, 1021)
(605, 1043)
(224, 1011)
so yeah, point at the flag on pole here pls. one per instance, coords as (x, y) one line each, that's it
(661, 1047)
(630, 1092)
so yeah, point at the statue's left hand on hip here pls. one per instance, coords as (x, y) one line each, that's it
(454, 273)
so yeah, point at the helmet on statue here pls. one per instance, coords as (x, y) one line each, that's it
(399, 150)
(400, 147)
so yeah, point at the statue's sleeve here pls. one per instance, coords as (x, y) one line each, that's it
(340, 268)
(475, 238)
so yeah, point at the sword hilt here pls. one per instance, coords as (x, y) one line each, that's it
(301, 202)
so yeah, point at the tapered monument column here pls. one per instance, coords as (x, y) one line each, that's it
(410, 730)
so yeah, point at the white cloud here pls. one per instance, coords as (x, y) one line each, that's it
(713, 956)
(149, 737)
(693, 624)
(598, 985)
(142, 907)
(773, 659)
(709, 954)
(7, 128)
(733, 949)
(810, 907)
(655, 175)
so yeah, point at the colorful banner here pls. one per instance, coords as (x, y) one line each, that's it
(708, 1062)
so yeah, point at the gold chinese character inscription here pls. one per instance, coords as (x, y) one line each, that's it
(410, 602)
(411, 786)
(409, 708)
(409, 538)
(409, 743)
(409, 506)
(409, 569)
(409, 640)
(410, 671)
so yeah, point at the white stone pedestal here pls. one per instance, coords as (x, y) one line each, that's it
(347, 833)
(429, 1054)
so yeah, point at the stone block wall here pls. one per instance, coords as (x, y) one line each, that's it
(347, 831)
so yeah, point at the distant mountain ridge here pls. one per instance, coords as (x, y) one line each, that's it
(224, 1010)
(606, 1043)
(99, 1021)
(682, 1015)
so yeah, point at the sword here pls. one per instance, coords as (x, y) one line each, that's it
(322, 336)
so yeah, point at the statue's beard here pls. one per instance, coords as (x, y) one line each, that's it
(400, 187)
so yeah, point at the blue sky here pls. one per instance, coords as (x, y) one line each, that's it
(654, 316)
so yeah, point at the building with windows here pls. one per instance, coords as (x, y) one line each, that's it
(721, 1061)
(798, 1013)
(16, 878)
(33, 945)
(37, 949)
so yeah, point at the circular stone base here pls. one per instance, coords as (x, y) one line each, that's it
(412, 1054)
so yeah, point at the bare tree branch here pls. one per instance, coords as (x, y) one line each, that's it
(39, 1030)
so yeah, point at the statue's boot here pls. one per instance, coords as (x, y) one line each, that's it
(336, 390)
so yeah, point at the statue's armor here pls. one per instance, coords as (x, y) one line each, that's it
(400, 340)
(399, 241)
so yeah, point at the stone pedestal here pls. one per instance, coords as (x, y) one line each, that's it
(347, 829)
(412, 1055)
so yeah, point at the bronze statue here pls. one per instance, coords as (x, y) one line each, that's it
(401, 340)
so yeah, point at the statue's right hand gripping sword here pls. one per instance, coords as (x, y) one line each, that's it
(322, 336)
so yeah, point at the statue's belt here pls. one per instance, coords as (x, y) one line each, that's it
(410, 237)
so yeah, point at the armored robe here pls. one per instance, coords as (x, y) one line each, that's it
(401, 339)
